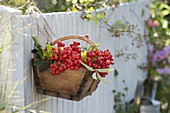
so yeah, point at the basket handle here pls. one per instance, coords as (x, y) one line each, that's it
(73, 37)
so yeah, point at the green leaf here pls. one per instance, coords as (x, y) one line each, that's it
(100, 15)
(38, 47)
(153, 72)
(94, 76)
(126, 88)
(45, 66)
(34, 51)
(88, 16)
(105, 70)
(40, 54)
(116, 73)
(119, 22)
(94, 47)
(74, 9)
(42, 65)
(39, 63)
(36, 40)
(90, 9)
(50, 54)
(163, 6)
(83, 55)
(165, 23)
(165, 12)
(44, 53)
(143, 12)
(88, 67)
(95, 20)
(1, 50)
(167, 42)
(101, 79)
(49, 48)
(114, 91)
(97, 45)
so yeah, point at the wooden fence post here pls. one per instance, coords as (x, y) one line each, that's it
(12, 57)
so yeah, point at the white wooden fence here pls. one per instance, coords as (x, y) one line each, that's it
(22, 27)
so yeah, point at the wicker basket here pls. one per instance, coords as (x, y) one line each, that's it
(70, 84)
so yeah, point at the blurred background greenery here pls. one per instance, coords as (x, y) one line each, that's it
(47, 6)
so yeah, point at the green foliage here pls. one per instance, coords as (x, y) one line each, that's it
(159, 36)
(93, 47)
(42, 64)
(120, 105)
(41, 54)
(40, 51)
(83, 55)
(2, 47)
(116, 73)
(62, 5)
(6, 100)
(163, 94)
(22, 5)
(48, 53)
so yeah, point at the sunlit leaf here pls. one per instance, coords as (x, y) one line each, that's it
(100, 15)
(88, 16)
(83, 55)
(167, 42)
(165, 12)
(163, 6)
(95, 20)
(165, 24)
(49, 48)
(44, 53)
(101, 79)
(90, 9)
(94, 47)
(88, 67)
(105, 70)
(74, 9)
(94, 76)
(119, 22)
(50, 54)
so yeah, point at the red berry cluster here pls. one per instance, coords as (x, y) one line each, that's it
(66, 57)
(99, 60)
(69, 57)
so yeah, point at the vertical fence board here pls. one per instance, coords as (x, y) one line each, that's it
(18, 58)
(27, 64)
